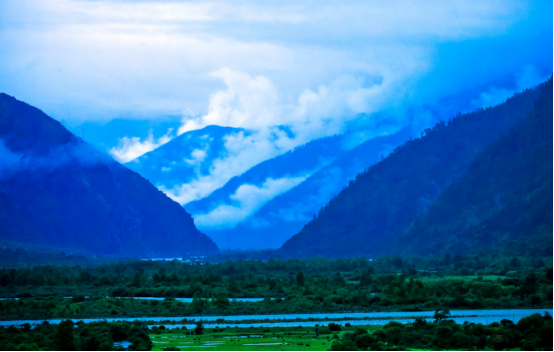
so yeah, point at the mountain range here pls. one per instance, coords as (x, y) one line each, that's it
(286, 213)
(480, 180)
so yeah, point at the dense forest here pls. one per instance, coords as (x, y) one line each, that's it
(533, 333)
(369, 215)
(504, 201)
(286, 286)
(75, 336)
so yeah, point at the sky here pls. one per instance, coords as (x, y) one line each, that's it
(315, 67)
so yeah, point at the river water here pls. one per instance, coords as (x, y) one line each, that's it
(189, 300)
(375, 318)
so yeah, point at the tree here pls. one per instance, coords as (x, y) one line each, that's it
(199, 329)
(530, 284)
(300, 278)
(367, 277)
(441, 314)
(63, 340)
(364, 341)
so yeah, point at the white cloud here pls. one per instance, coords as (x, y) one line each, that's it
(197, 156)
(528, 77)
(242, 151)
(13, 162)
(254, 103)
(131, 148)
(98, 59)
(246, 200)
(248, 102)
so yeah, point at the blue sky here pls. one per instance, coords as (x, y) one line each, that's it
(311, 65)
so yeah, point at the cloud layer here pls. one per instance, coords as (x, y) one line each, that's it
(99, 59)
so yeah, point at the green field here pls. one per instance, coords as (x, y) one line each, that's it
(492, 278)
(246, 339)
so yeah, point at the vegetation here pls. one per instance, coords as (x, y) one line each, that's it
(506, 193)
(533, 333)
(286, 286)
(16, 257)
(70, 336)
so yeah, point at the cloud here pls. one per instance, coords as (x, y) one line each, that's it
(84, 154)
(197, 156)
(131, 148)
(246, 200)
(242, 151)
(8, 161)
(273, 126)
(100, 59)
(528, 77)
(248, 102)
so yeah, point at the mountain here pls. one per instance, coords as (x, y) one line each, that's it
(185, 157)
(285, 214)
(245, 193)
(504, 201)
(369, 215)
(58, 191)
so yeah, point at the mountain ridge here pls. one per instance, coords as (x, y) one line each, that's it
(506, 192)
(368, 215)
(57, 190)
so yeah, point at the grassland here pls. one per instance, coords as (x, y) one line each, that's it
(251, 339)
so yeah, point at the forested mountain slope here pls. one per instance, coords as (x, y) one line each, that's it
(369, 215)
(58, 191)
(504, 202)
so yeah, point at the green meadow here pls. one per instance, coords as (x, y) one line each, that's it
(251, 339)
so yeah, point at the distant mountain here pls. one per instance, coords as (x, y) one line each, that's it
(504, 202)
(368, 216)
(185, 158)
(268, 179)
(285, 214)
(107, 135)
(58, 191)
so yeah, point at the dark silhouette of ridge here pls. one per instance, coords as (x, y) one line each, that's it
(58, 191)
(368, 216)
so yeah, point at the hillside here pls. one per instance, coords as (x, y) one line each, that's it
(504, 201)
(58, 191)
(285, 214)
(369, 215)
(184, 157)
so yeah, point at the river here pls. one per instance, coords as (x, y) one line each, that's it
(486, 316)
